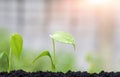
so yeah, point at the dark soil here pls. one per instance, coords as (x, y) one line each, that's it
(21, 73)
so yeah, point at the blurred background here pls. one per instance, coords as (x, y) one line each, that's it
(95, 25)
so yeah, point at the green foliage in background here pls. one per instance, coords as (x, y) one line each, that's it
(95, 63)
(4, 40)
(66, 61)
(4, 47)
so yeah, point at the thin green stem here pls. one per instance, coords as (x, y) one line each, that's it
(54, 52)
(9, 62)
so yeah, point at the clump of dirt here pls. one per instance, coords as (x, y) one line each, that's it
(21, 73)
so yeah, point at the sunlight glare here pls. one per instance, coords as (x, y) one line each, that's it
(98, 2)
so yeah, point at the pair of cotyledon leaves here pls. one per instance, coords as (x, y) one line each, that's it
(16, 44)
(60, 37)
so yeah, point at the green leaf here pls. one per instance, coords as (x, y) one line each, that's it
(16, 44)
(44, 53)
(63, 37)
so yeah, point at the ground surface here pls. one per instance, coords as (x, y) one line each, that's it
(21, 73)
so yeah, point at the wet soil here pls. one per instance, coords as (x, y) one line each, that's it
(21, 73)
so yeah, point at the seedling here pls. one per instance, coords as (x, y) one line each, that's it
(16, 44)
(62, 37)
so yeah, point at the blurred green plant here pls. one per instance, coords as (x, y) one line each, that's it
(16, 46)
(95, 61)
(65, 62)
(4, 40)
(62, 37)
(4, 46)
(16, 43)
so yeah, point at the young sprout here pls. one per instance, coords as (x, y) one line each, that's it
(59, 36)
(16, 44)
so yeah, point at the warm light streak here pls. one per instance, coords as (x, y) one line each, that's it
(98, 2)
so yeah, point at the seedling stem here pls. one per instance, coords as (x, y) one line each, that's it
(54, 51)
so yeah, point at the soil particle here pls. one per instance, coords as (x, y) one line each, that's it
(21, 73)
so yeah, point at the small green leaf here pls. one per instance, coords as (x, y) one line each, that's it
(45, 53)
(16, 44)
(63, 37)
